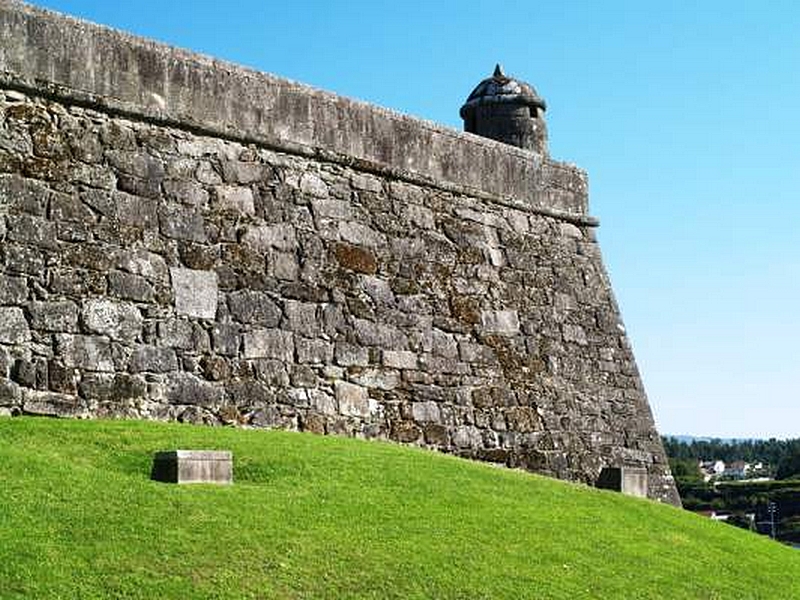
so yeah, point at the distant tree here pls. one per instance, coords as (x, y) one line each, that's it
(686, 470)
(789, 465)
(771, 452)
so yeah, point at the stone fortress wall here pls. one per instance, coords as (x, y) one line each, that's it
(181, 238)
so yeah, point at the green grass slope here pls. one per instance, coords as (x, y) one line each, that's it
(325, 517)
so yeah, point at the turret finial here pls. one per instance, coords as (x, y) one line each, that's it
(507, 110)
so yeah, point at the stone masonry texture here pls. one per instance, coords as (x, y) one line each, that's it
(184, 239)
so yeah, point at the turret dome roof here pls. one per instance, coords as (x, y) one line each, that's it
(501, 88)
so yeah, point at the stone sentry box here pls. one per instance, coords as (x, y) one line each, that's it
(193, 466)
(186, 239)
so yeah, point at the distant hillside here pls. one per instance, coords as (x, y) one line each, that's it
(688, 439)
(326, 517)
(780, 457)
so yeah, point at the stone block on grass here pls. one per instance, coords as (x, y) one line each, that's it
(193, 466)
(628, 480)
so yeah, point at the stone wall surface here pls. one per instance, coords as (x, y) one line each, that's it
(94, 65)
(166, 266)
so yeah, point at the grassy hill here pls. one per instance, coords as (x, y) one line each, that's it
(325, 517)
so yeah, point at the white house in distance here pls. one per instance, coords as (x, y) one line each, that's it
(738, 469)
(711, 469)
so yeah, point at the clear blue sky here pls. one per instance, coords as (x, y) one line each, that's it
(686, 116)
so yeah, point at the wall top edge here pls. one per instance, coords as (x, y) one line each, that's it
(42, 48)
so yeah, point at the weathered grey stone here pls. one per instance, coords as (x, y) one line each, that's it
(361, 235)
(313, 351)
(405, 431)
(365, 182)
(85, 146)
(60, 315)
(285, 265)
(128, 209)
(399, 359)
(575, 334)
(303, 376)
(467, 436)
(113, 387)
(500, 322)
(215, 368)
(23, 259)
(330, 208)
(50, 404)
(13, 290)
(30, 373)
(14, 329)
(199, 256)
(378, 289)
(476, 353)
(570, 230)
(523, 419)
(269, 343)
(182, 223)
(185, 335)
(80, 232)
(257, 308)
(78, 282)
(136, 163)
(436, 435)
(301, 317)
(24, 195)
(206, 173)
(419, 216)
(200, 146)
(352, 399)
(271, 417)
(426, 412)
(381, 379)
(322, 401)
(92, 353)
(117, 320)
(6, 360)
(65, 207)
(226, 338)
(118, 135)
(313, 185)
(443, 344)
(184, 388)
(153, 359)
(193, 466)
(236, 199)
(195, 292)
(10, 393)
(186, 192)
(235, 171)
(35, 231)
(145, 264)
(129, 287)
(348, 355)
(379, 334)
(266, 237)
(272, 372)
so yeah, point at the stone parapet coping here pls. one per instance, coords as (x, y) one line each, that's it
(53, 55)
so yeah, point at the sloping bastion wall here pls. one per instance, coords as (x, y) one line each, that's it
(185, 239)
